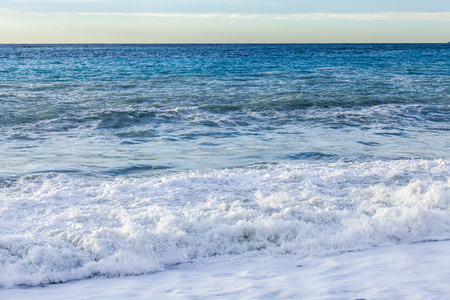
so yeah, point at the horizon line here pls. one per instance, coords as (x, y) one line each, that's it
(222, 43)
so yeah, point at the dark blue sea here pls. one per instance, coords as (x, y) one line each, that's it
(128, 159)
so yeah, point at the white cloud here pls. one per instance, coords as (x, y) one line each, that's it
(389, 16)
(179, 15)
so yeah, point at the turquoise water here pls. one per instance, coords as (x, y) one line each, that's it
(126, 159)
(134, 109)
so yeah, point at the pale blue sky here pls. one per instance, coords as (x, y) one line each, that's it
(202, 21)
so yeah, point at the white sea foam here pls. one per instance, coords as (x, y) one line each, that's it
(58, 227)
(417, 271)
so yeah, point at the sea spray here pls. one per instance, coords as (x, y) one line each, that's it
(58, 227)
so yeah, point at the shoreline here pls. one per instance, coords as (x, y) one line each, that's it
(414, 271)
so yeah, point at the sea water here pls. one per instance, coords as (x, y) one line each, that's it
(129, 159)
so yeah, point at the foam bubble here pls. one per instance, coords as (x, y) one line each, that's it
(62, 227)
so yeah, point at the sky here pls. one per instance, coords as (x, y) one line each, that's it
(231, 21)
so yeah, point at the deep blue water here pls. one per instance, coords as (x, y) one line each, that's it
(127, 159)
(120, 109)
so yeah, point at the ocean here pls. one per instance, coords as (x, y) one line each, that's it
(121, 160)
